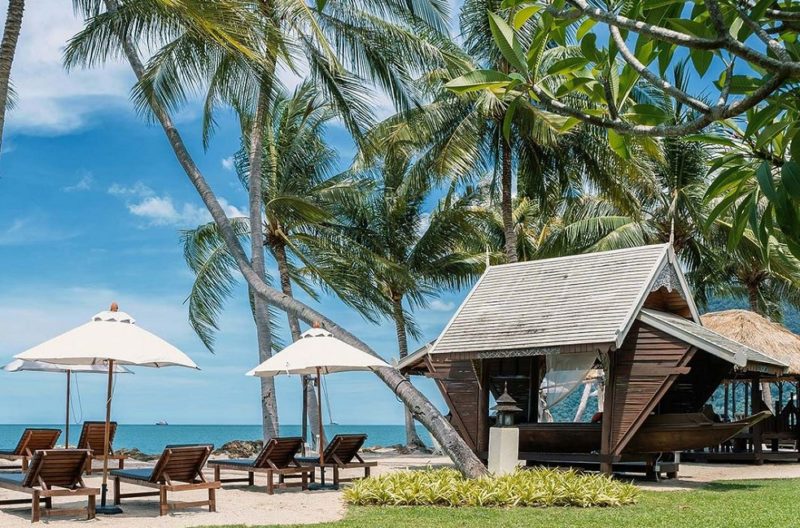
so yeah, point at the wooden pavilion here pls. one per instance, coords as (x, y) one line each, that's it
(777, 438)
(628, 312)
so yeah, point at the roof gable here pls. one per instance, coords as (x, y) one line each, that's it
(578, 300)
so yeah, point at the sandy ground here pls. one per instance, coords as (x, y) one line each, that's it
(252, 506)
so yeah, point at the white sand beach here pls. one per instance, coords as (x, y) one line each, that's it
(239, 505)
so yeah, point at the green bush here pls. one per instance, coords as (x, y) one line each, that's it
(539, 487)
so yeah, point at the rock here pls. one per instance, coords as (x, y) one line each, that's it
(135, 454)
(240, 448)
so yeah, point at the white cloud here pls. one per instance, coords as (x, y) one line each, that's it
(50, 100)
(162, 210)
(438, 305)
(83, 184)
(227, 163)
(31, 229)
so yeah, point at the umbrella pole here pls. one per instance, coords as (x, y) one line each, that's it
(304, 418)
(104, 509)
(320, 442)
(66, 425)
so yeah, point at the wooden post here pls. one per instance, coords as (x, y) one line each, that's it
(757, 429)
(606, 461)
(66, 425)
(107, 432)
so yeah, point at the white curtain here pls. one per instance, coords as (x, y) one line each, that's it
(564, 374)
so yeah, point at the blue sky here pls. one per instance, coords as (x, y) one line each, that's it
(92, 204)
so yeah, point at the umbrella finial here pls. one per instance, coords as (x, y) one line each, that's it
(114, 307)
(317, 324)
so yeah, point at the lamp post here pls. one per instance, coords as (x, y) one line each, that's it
(504, 437)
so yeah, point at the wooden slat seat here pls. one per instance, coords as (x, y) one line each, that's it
(31, 440)
(48, 470)
(92, 438)
(341, 453)
(180, 468)
(276, 458)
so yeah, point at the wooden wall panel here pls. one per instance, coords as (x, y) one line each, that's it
(644, 368)
(460, 386)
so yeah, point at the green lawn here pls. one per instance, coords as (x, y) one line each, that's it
(752, 504)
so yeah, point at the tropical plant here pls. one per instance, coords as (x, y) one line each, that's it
(8, 48)
(398, 253)
(540, 487)
(644, 38)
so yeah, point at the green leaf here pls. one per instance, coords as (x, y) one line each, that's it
(794, 149)
(701, 60)
(508, 119)
(648, 114)
(584, 28)
(761, 118)
(740, 219)
(691, 27)
(764, 177)
(507, 42)
(567, 65)
(769, 132)
(790, 178)
(478, 80)
(589, 47)
(524, 14)
(618, 144)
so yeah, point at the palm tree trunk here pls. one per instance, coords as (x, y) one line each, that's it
(412, 438)
(310, 395)
(422, 409)
(269, 403)
(752, 299)
(506, 205)
(8, 48)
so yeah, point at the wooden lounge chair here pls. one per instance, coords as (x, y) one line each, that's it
(92, 438)
(31, 440)
(48, 470)
(180, 468)
(340, 454)
(276, 458)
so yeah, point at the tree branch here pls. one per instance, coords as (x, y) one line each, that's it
(652, 78)
(716, 18)
(771, 43)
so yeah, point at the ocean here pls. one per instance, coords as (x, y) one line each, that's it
(153, 438)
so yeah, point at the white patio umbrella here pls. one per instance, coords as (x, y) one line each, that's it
(111, 338)
(317, 352)
(19, 365)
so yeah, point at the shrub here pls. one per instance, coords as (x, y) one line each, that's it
(539, 487)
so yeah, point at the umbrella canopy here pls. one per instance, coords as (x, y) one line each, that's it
(317, 351)
(19, 365)
(109, 336)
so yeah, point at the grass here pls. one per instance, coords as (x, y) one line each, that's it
(750, 504)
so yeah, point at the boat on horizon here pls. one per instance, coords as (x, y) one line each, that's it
(162, 422)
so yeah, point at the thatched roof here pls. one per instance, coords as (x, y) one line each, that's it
(758, 333)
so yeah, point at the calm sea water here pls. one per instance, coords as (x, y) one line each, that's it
(153, 438)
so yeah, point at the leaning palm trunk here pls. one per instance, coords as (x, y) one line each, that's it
(311, 415)
(8, 49)
(506, 205)
(422, 409)
(412, 438)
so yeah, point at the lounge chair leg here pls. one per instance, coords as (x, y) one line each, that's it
(212, 500)
(366, 472)
(91, 509)
(48, 503)
(117, 498)
(35, 512)
(335, 475)
(304, 480)
(251, 478)
(122, 463)
(24, 464)
(322, 476)
(216, 473)
(162, 496)
(270, 484)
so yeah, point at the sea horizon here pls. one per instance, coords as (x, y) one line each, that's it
(152, 438)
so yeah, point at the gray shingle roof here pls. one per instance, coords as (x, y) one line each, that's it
(706, 339)
(582, 299)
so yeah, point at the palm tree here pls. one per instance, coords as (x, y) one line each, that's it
(400, 254)
(123, 39)
(298, 188)
(8, 48)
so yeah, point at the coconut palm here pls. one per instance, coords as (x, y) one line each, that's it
(298, 187)
(8, 48)
(401, 254)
